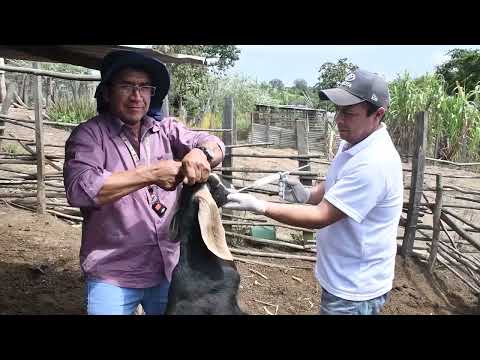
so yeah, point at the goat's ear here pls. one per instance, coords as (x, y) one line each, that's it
(213, 234)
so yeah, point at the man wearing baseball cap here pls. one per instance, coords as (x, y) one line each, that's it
(123, 170)
(356, 209)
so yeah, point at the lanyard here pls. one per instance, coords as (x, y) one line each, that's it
(134, 155)
(155, 202)
(132, 151)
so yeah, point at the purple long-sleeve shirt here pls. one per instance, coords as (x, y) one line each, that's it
(125, 242)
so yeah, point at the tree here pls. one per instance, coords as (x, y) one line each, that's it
(188, 81)
(276, 84)
(301, 85)
(331, 75)
(462, 67)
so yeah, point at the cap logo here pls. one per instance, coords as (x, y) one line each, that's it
(374, 97)
(350, 77)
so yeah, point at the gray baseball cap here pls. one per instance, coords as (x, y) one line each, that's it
(357, 87)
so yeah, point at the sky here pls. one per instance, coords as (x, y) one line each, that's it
(290, 62)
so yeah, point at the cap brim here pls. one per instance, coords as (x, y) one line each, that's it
(340, 97)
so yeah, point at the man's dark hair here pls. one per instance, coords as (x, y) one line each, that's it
(371, 108)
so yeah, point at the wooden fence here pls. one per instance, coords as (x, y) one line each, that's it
(451, 242)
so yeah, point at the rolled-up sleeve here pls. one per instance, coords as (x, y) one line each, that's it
(83, 170)
(183, 139)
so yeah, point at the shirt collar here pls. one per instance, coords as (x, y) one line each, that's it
(375, 136)
(115, 125)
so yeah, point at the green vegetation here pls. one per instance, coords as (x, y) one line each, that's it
(72, 110)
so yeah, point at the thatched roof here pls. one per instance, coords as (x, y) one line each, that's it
(89, 56)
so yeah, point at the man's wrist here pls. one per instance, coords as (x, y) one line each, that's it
(262, 207)
(209, 154)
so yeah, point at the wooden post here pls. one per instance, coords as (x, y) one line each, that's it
(234, 127)
(11, 89)
(326, 137)
(416, 188)
(41, 209)
(302, 148)
(3, 87)
(228, 140)
(267, 128)
(251, 127)
(437, 211)
(165, 107)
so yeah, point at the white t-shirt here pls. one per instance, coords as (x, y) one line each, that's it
(356, 255)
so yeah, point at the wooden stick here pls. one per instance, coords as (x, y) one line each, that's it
(460, 231)
(271, 156)
(31, 151)
(266, 171)
(263, 302)
(436, 224)
(256, 262)
(272, 255)
(448, 176)
(452, 163)
(471, 258)
(463, 191)
(474, 288)
(448, 235)
(23, 195)
(249, 145)
(458, 217)
(467, 199)
(471, 207)
(258, 273)
(14, 171)
(30, 141)
(267, 311)
(267, 242)
(49, 203)
(447, 188)
(418, 165)
(56, 74)
(14, 122)
(457, 255)
(71, 217)
(300, 280)
(243, 218)
(17, 162)
(260, 223)
(212, 130)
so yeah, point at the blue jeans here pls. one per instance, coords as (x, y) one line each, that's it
(108, 299)
(333, 305)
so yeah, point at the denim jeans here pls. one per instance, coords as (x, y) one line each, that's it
(333, 305)
(108, 299)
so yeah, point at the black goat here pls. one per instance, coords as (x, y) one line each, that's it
(202, 282)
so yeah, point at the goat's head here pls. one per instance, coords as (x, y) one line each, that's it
(200, 204)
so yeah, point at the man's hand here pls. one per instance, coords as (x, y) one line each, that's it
(195, 167)
(292, 190)
(245, 202)
(168, 174)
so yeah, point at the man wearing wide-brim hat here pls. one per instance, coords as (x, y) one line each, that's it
(356, 209)
(123, 169)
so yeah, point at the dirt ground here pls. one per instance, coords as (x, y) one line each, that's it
(40, 273)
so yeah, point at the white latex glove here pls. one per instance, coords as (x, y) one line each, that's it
(292, 190)
(246, 202)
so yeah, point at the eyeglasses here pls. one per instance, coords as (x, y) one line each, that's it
(144, 90)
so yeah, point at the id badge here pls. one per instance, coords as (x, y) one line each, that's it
(157, 205)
